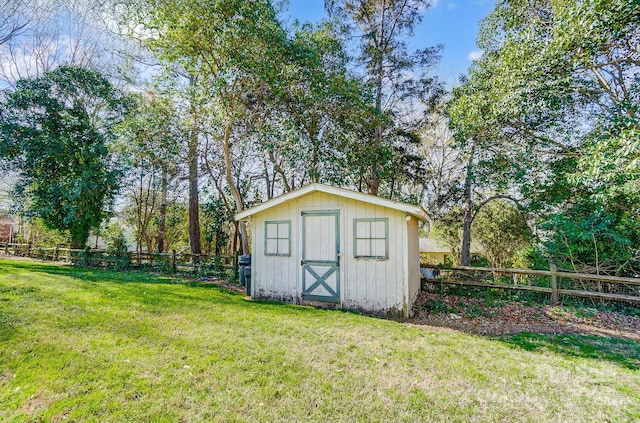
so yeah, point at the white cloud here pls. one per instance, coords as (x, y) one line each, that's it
(29, 58)
(452, 6)
(475, 55)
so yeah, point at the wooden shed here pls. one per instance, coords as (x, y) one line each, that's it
(7, 228)
(434, 252)
(333, 247)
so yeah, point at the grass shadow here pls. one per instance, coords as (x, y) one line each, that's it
(99, 275)
(137, 280)
(624, 352)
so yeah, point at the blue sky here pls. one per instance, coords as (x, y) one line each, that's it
(453, 23)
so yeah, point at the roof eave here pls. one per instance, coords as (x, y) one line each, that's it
(416, 211)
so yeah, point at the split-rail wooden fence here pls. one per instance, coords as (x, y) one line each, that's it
(556, 283)
(173, 262)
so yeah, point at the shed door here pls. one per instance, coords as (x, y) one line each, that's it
(321, 256)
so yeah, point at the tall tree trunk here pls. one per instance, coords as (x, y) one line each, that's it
(314, 173)
(244, 240)
(279, 170)
(373, 183)
(465, 252)
(267, 178)
(162, 218)
(373, 179)
(194, 203)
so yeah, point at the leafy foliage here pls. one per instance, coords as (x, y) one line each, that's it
(216, 226)
(399, 85)
(556, 96)
(115, 238)
(502, 232)
(448, 229)
(56, 131)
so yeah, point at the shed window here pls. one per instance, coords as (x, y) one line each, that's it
(371, 238)
(277, 239)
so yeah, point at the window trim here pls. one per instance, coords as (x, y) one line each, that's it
(266, 238)
(356, 239)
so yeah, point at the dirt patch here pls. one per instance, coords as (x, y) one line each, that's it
(35, 403)
(233, 287)
(17, 258)
(475, 315)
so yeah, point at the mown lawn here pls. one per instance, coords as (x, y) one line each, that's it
(80, 345)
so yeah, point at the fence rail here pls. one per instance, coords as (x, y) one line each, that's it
(553, 282)
(173, 262)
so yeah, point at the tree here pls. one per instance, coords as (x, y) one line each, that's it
(56, 131)
(216, 227)
(232, 46)
(557, 91)
(487, 167)
(397, 78)
(321, 103)
(502, 232)
(151, 141)
(40, 36)
(114, 238)
(448, 229)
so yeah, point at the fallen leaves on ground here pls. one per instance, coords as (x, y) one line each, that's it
(476, 315)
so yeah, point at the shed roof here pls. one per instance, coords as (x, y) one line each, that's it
(416, 211)
(430, 245)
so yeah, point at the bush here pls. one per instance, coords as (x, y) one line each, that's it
(114, 238)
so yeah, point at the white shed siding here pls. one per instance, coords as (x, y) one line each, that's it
(413, 260)
(370, 284)
(274, 276)
(374, 284)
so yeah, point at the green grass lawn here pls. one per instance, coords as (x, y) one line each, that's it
(80, 345)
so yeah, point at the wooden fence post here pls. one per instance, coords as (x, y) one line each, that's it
(6, 248)
(173, 261)
(55, 254)
(554, 284)
(29, 249)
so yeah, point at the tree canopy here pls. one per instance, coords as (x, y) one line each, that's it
(56, 131)
(555, 95)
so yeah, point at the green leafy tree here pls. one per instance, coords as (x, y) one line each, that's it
(217, 225)
(35, 232)
(114, 238)
(502, 232)
(232, 46)
(397, 80)
(151, 139)
(448, 229)
(56, 131)
(556, 93)
(321, 105)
